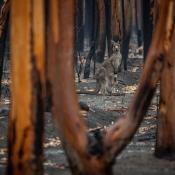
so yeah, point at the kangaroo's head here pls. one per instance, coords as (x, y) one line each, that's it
(115, 46)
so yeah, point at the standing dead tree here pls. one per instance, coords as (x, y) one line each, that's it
(165, 143)
(96, 154)
(4, 16)
(86, 154)
(25, 150)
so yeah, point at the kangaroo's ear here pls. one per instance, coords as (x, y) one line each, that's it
(112, 42)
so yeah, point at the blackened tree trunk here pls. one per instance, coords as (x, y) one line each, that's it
(88, 60)
(126, 29)
(25, 147)
(90, 28)
(101, 44)
(147, 7)
(79, 25)
(138, 16)
(4, 19)
(108, 25)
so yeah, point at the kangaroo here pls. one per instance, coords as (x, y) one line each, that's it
(106, 75)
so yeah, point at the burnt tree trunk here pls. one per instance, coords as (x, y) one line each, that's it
(147, 7)
(126, 29)
(95, 154)
(117, 22)
(101, 44)
(4, 19)
(25, 142)
(108, 26)
(138, 7)
(90, 34)
(165, 145)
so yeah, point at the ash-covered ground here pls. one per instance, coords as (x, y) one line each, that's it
(136, 159)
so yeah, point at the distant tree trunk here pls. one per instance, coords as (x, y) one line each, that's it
(88, 61)
(117, 23)
(89, 34)
(165, 143)
(101, 45)
(25, 147)
(147, 24)
(126, 17)
(138, 7)
(88, 23)
(79, 25)
(4, 19)
(108, 25)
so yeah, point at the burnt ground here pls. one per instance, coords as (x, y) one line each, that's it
(136, 159)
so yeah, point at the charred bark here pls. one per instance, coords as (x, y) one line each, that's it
(138, 7)
(96, 154)
(88, 61)
(25, 151)
(108, 26)
(165, 143)
(126, 18)
(147, 24)
(4, 19)
(101, 44)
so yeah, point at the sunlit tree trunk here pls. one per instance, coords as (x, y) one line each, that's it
(101, 44)
(25, 151)
(4, 19)
(95, 154)
(165, 145)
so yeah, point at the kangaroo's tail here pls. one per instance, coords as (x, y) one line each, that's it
(96, 90)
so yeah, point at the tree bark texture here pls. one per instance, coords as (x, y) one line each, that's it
(138, 7)
(108, 25)
(4, 19)
(117, 22)
(25, 151)
(101, 44)
(79, 25)
(147, 24)
(92, 155)
(165, 145)
(126, 29)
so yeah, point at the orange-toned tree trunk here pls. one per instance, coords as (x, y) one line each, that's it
(165, 145)
(116, 24)
(90, 155)
(25, 151)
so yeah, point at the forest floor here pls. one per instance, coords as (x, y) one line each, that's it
(136, 159)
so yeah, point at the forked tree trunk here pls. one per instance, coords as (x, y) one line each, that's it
(101, 44)
(90, 155)
(4, 19)
(165, 144)
(25, 150)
